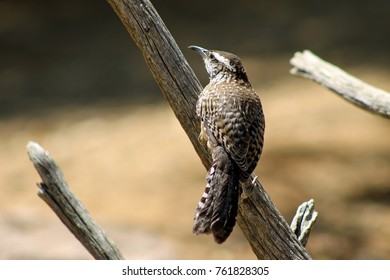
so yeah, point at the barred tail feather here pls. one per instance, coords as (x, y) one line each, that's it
(204, 211)
(225, 209)
(217, 209)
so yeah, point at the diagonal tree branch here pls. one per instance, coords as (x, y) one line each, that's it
(267, 232)
(308, 65)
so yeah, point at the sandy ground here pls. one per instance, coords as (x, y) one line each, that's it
(138, 175)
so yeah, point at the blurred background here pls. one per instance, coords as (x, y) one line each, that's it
(72, 79)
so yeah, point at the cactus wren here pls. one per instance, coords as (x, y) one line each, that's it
(232, 125)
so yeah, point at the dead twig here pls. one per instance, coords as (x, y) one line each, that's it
(308, 65)
(56, 193)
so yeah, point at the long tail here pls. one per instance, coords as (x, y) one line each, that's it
(217, 209)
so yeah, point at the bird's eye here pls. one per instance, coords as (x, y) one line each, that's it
(212, 57)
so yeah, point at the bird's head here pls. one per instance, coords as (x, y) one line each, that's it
(222, 65)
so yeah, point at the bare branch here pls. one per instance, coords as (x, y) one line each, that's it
(56, 193)
(308, 65)
(267, 232)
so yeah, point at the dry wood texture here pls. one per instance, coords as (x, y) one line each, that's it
(363, 95)
(55, 192)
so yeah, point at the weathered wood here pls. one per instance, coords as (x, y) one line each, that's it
(267, 232)
(56, 193)
(304, 221)
(355, 91)
(167, 64)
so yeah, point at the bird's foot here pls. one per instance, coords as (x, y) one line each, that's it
(248, 187)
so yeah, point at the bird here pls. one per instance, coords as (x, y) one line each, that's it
(232, 126)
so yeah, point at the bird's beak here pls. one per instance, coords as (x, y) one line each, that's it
(203, 52)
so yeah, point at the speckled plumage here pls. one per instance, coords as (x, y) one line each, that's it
(232, 125)
(232, 111)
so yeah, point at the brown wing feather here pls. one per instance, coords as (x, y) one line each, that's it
(236, 120)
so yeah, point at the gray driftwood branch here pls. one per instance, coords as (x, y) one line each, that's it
(359, 93)
(55, 192)
(267, 232)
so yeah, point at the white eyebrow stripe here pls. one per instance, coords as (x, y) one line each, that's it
(224, 60)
